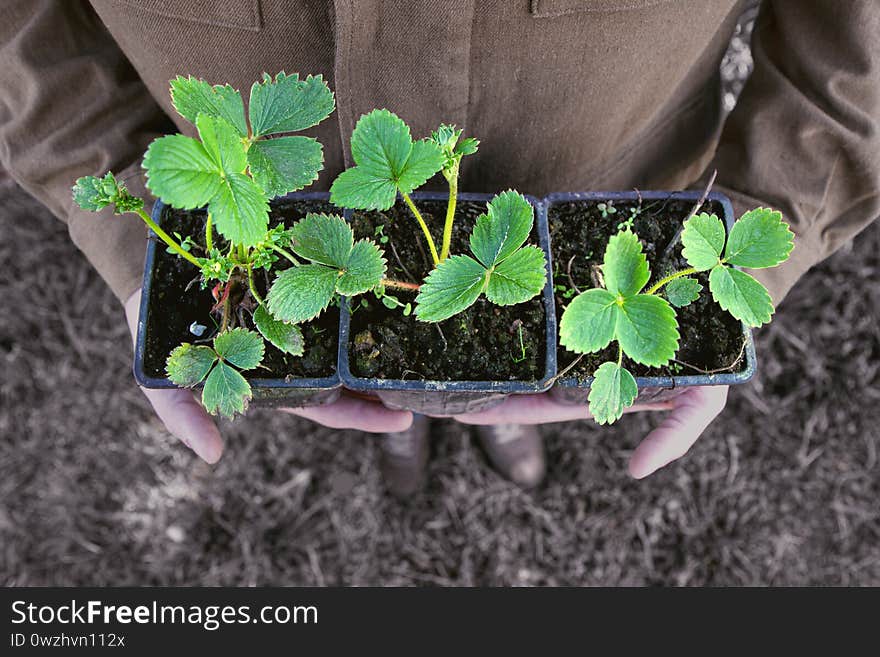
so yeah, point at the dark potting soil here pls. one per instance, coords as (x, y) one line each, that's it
(480, 344)
(177, 301)
(711, 339)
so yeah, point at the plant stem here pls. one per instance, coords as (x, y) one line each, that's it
(424, 226)
(671, 277)
(401, 285)
(285, 253)
(242, 253)
(209, 235)
(253, 287)
(165, 237)
(224, 324)
(450, 214)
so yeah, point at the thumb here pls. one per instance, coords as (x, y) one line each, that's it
(694, 410)
(182, 415)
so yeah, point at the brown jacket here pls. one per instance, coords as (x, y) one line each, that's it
(566, 95)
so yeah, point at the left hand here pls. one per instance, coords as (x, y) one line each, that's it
(690, 413)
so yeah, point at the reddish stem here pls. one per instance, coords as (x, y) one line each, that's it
(401, 285)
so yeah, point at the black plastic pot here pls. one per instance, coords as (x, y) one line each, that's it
(453, 397)
(572, 390)
(288, 392)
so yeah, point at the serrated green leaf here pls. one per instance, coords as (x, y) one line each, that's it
(288, 104)
(222, 143)
(503, 229)
(226, 391)
(364, 270)
(285, 164)
(386, 159)
(285, 336)
(180, 172)
(89, 194)
(302, 293)
(741, 295)
(613, 390)
(759, 239)
(424, 160)
(240, 210)
(322, 238)
(192, 97)
(589, 321)
(517, 278)
(625, 267)
(702, 241)
(647, 329)
(188, 364)
(381, 143)
(681, 292)
(241, 347)
(452, 286)
(358, 188)
(467, 146)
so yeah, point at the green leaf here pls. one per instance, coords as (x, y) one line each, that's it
(741, 295)
(89, 194)
(450, 288)
(386, 159)
(467, 146)
(647, 330)
(681, 292)
(192, 97)
(288, 104)
(517, 278)
(381, 143)
(188, 364)
(613, 390)
(504, 228)
(285, 336)
(759, 239)
(302, 293)
(241, 347)
(222, 143)
(703, 240)
(357, 188)
(285, 164)
(588, 323)
(364, 270)
(240, 210)
(226, 391)
(625, 268)
(424, 160)
(180, 172)
(323, 238)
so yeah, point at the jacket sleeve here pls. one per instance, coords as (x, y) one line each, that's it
(71, 105)
(804, 137)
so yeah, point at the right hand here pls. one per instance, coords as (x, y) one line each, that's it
(186, 418)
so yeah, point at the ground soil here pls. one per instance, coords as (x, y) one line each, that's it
(178, 282)
(711, 339)
(480, 344)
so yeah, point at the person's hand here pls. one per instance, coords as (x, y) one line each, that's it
(187, 420)
(689, 415)
(179, 411)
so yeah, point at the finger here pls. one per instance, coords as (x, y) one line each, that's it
(352, 413)
(186, 419)
(541, 409)
(693, 412)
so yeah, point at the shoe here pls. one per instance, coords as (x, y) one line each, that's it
(403, 457)
(516, 451)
